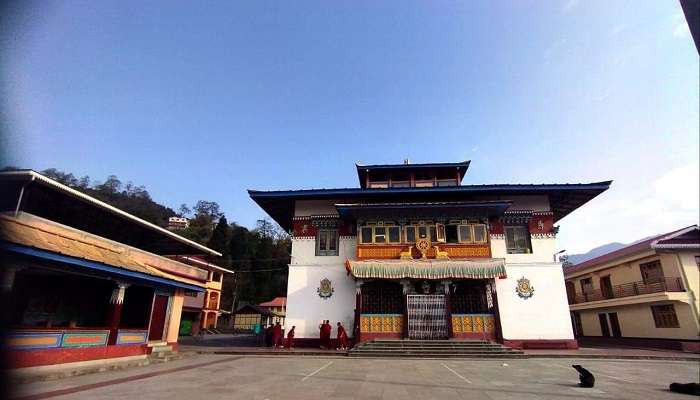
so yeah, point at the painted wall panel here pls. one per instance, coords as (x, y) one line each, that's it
(306, 309)
(543, 316)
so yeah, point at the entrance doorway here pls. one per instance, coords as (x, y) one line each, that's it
(160, 309)
(427, 318)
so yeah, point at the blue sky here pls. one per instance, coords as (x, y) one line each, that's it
(202, 100)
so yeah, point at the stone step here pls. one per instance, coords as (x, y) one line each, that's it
(434, 355)
(431, 344)
(435, 351)
(428, 341)
(448, 346)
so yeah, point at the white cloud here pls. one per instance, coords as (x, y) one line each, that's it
(629, 211)
(570, 5)
(681, 29)
(617, 29)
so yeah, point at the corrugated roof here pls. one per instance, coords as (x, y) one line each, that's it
(258, 310)
(633, 248)
(276, 302)
(36, 232)
(33, 176)
(563, 198)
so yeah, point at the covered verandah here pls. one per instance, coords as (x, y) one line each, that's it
(426, 299)
(73, 296)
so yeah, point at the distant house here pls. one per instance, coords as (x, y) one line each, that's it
(644, 294)
(277, 305)
(178, 223)
(246, 317)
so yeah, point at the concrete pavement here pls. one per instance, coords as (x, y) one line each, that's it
(250, 378)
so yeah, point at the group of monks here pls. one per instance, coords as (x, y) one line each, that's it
(273, 336)
(325, 330)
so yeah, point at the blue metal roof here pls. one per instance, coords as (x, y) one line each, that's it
(96, 266)
(563, 198)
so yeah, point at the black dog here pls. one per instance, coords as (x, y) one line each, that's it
(685, 388)
(585, 376)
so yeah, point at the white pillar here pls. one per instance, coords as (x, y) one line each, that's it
(118, 293)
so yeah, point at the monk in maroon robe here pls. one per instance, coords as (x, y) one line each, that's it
(327, 328)
(321, 329)
(277, 335)
(342, 337)
(290, 339)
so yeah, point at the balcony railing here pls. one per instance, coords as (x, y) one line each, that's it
(629, 289)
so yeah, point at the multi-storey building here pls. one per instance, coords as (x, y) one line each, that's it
(644, 294)
(413, 253)
(202, 310)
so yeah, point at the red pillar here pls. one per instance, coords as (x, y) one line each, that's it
(497, 315)
(448, 310)
(357, 337)
(114, 312)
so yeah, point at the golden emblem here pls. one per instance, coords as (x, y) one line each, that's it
(524, 289)
(423, 245)
(325, 289)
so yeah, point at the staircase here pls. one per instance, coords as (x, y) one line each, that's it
(433, 349)
(162, 352)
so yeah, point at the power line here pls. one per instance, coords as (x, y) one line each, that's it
(260, 270)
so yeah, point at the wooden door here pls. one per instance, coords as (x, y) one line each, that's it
(604, 329)
(614, 325)
(158, 314)
(606, 287)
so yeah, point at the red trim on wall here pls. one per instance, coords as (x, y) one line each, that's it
(476, 335)
(306, 228)
(547, 224)
(365, 336)
(563, 344)
(495, 226)
(316, 343)
(303, 228)
(33, 358)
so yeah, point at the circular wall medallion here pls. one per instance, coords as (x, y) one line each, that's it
(325, 289)
(524, 289)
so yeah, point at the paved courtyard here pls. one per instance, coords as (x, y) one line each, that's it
(251, 378)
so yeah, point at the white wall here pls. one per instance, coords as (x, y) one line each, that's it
(543, 250)
(304, 252)
(306, 310)
(543, 316)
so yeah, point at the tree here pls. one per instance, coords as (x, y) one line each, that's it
(65, 178)
(220, 237)
(208, 208)
(111, 186)
(184, 211)
(84, 182)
